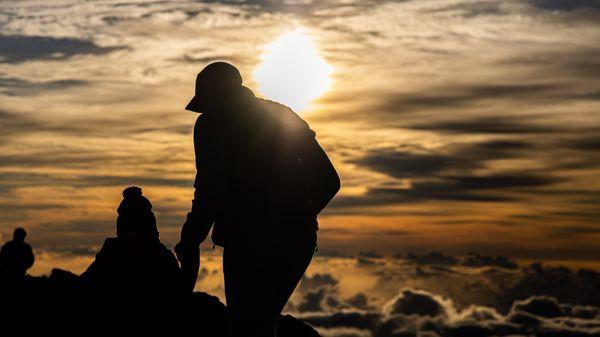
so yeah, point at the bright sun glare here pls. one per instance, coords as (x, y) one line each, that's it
(292, 72)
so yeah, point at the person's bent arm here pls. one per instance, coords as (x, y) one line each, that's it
(201, 217)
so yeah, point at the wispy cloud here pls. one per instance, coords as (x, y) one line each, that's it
(474, 114)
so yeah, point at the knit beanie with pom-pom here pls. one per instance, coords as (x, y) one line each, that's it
(135, 214)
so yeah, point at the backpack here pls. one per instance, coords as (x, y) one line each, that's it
(302, 178)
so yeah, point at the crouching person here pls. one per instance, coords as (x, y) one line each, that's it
(135, 277)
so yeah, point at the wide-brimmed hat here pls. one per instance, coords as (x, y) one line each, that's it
(216, 80)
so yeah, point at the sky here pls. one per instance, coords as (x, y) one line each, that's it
(455, 125)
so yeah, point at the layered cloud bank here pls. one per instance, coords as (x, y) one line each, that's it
(420, 313)
(470, 296)
(425, 294)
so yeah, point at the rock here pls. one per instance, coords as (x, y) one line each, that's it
(58, 305)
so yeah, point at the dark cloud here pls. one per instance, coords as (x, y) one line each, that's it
(298, 7)
(367, 262)
(456, 159)
(587, 143)
(450, 173)
(13, 179)
(581, 287)
(453, 97)
(486, 125)
(331, 253)
(581, 63)
(400, 164)
(73, 250)
(19, 206)
(317, 281)
(570, 230)
(359, 301)
(417, 192)
(14, 124)
(126, 126)
(18, 87)
(318, 293)
(187, 58)
(543, 306)
(490, 188)
(370, 255)
(433, 258)
(565, 5)
(473, 9)
(476, 260)
(411, 302)
(311, 301)
(499, 181)
(21, 48)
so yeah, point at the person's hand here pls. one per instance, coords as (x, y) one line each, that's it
(188, 255)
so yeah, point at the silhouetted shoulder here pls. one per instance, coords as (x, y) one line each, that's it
(109, 242)
(285, 115)
(108, 245)
(204, 126)
(168, 256)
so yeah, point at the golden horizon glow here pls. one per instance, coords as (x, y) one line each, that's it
(292, 72)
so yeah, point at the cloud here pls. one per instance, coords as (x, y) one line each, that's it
(461, 96)
(417, 312)
(587, 143)
(457, 188)
(85, 180)
(475, 260)
(411, 302)
(317, 281)
(486, 125)
(359, 301)
(434, 258)
(21, 48)
(474, 9)
(11, 86)
(366, 262)
(13, 124)
(400, 164)
(543, 306)
(331, 253)
(450, 173)
(581, 287)
(370, 255)
(311, 301)
(565, 5)
(318, 292)
(460, 102)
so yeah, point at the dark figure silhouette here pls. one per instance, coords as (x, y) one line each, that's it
(262, 179)
(136, 277)
(16, 257)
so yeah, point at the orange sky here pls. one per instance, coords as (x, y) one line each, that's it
(455, 125)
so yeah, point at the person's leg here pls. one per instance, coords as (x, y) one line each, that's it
(247, 288)
(292, 263)
(259, 281)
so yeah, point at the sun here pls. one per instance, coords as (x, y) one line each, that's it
(292, 72)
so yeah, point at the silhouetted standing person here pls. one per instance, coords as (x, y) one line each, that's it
(16, 257)
(262, 179)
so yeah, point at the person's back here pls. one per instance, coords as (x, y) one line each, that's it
(136, 278)
(266, 167)
(16, 256)
(134, 269)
